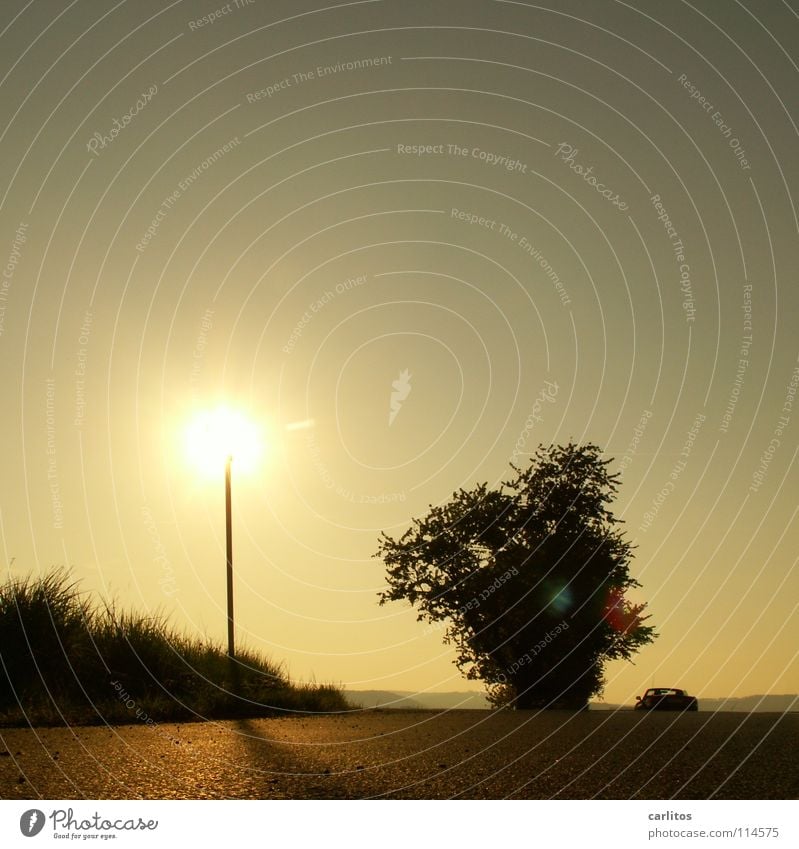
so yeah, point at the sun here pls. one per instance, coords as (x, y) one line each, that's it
(214, 435)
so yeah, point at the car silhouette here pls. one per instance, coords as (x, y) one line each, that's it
(666, 698)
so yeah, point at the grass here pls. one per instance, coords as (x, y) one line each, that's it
(65, 659)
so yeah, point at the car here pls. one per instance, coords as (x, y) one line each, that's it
(666, 698)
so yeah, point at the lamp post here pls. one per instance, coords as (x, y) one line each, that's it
(229, 552)
(213, 437)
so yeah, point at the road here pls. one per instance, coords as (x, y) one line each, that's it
(466, 754)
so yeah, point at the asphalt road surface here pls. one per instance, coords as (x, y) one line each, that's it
(465, 754)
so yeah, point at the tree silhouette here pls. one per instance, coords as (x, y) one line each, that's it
(530, 579)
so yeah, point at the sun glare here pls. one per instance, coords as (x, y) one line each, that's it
(214, 435)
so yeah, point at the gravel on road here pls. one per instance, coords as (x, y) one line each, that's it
(468, 754)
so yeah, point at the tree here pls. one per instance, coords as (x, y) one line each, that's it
(530, 579)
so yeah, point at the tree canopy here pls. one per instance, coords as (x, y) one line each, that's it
(530, 579)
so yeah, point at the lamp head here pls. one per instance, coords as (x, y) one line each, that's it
(217, 437)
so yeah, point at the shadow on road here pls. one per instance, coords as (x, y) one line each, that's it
(282, 770)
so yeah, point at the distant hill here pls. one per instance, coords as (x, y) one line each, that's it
(746, 704)
(409, 700)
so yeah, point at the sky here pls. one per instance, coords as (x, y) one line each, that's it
(410, 241)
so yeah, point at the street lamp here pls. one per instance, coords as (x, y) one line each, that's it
(215, 437)
(229, 558)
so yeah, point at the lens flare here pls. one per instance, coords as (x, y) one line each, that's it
(561, 598)
(620, 614)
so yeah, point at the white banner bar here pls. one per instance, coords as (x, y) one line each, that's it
(387, 824)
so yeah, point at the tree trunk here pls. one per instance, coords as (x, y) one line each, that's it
(532, 695)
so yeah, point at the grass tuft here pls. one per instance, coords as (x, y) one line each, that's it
(67, 660)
